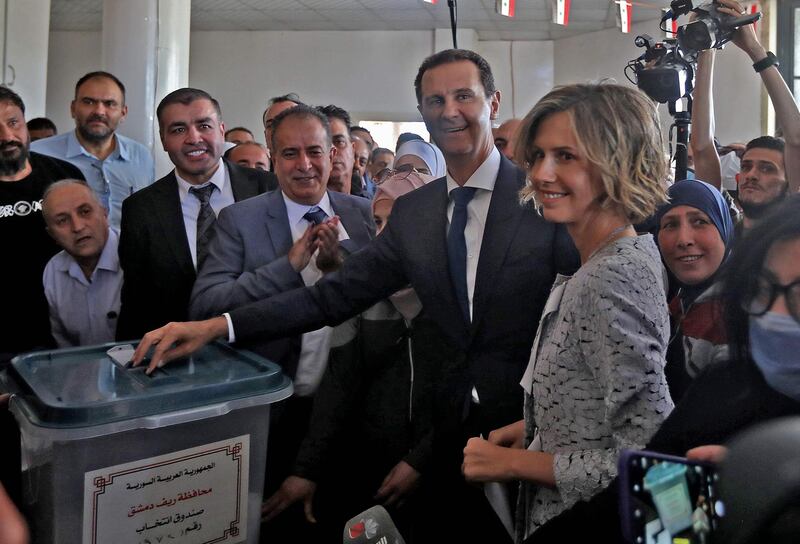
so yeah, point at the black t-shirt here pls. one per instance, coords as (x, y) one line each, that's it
(26, 246)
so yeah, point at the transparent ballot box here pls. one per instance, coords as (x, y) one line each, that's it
(111, 455)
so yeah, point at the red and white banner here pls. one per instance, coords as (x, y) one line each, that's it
(505, 7)
(671, 25)
(624, 15)
(429, 1)
(560, 12)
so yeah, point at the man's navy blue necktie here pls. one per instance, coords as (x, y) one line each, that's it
(315, 215)
(457, 246)
(205, 221)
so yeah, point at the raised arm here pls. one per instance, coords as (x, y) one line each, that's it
(786, 111)
(706, 159)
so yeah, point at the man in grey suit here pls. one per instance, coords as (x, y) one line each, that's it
(277, 242)
(166, 227)
(481, 265)
(264, 246)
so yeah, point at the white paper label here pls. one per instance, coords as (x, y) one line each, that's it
(185, 497)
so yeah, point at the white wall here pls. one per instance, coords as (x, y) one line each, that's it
(604, 54)
(523, 71)
(370, 74)
(71, 55)
(244, 69)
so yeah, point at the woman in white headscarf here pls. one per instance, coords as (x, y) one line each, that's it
(421, 156)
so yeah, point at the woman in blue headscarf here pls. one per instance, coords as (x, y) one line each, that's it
(695, 236)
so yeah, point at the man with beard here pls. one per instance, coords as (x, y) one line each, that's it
(761, 179)
(113, 165)
(770, 167)
(167, 227)
(341, 178)
(24, 176)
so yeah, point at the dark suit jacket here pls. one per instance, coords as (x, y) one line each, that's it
(248, 260)
(520, 255)
(154, 251)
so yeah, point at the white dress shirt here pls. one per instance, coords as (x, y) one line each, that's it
(482, 179)
(315, 345)
(190, 204)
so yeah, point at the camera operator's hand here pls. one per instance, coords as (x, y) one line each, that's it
(745, 37)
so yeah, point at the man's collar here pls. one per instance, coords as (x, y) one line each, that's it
(484, 177)
(75, 149)
(296, 211)
(218, 178)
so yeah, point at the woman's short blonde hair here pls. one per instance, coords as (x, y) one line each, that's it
(617, 129)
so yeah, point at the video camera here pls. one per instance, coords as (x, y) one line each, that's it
(711, 29)
(665, 71)
(662, 71)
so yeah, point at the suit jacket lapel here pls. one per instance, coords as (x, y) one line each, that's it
(502, 223)
(242, 186)
(277, 221)
(167, 207)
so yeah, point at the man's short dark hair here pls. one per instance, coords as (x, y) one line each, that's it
(337, 113)
(237, 129)
(378, 151)
(42, 123)
(362, 129)
(304, 112)
(7, 95)
(186, 96)
(100, 74)
(288, 97)
(766, 142)
(454, 55)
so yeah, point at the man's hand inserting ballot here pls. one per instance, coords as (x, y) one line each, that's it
(175, 340)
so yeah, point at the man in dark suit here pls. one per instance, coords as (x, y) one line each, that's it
(277, 242)
(487, 308)
(165, 227)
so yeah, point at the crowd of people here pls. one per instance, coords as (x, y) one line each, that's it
(486, 307)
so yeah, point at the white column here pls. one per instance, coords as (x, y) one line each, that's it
(146, 45)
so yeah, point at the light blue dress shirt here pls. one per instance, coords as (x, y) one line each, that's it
(129, 168)
(84, 312)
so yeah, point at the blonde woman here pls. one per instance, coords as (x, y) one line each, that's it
(595, 382)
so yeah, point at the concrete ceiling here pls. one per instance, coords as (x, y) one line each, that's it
(531, 22)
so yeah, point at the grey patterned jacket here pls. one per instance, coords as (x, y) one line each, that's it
(598, 382)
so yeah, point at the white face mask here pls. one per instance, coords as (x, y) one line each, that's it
(729, 167)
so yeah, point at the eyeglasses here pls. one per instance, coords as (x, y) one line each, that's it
(765, 293)
(406, 169)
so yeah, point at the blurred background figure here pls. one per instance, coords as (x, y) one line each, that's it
(249, 155)
(505, 137)
(239, 135)
(41, 127)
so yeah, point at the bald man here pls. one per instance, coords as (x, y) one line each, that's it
(505, 137)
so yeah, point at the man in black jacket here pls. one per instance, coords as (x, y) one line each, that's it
(167, 226)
